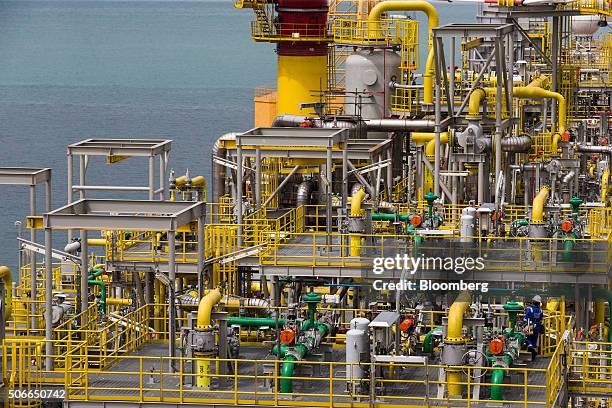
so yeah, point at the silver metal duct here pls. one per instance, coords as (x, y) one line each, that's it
(516, 144)
(398, 125)
(594, 149)
(569, 176)
(288, 120)
(356, 188)
(303, 192)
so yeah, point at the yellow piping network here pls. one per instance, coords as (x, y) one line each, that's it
(605, 178)
(537, 210)
(7, 279)
(204, 320)
(454, 335)
(432, 22)
(535, 90)
(356, 199)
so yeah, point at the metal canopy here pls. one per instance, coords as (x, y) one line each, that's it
(293, 137)
(120, 147)
(124, 214)
(473, 30)
(25, 176)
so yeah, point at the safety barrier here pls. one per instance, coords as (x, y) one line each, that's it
(590, 368)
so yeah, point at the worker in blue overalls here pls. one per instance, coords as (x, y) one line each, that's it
(532, 321)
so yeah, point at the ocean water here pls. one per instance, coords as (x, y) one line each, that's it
(72, 70)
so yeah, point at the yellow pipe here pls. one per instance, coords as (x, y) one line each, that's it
(454, 335)
(537, 210)
(375, 30)
(204, 321)
(195, 181)
(476, 98)
(205, 308)
(423, 137)
(605, 178)
(430, 149)
(198, 181)
(119, 301)
(180, 181)
(96, 242)
(356, 200)
(7, 279)
(534, 92)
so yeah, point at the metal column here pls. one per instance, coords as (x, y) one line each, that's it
(201, 223)
(172, 300)
(33, 263)
(257, 178)
(151, 177)
(48, 299)
(84, 272)
(555, 74)
(498, 107)
(162, 175)
(328, 203)
(239, 190)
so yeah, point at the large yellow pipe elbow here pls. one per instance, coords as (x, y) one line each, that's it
(7, 279)
(432, 22)
(552, 305)
(537, 210)
(205, 308)
(430, 149)
(454, 335)
(476, 98)
(423, 137)
(355, 241)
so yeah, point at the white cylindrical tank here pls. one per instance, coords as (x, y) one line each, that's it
(466, 226)
(359, 323)
(585, 25)
(368, 73)
(356, 344)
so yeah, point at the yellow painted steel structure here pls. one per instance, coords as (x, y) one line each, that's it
(301, 79)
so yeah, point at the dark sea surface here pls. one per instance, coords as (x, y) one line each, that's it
(72, 70)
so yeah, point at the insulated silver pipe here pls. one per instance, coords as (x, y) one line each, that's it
(219, 172)
(304, 191)
(516, 144)
(569, 176)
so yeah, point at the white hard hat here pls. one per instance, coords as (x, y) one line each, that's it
(537, 298)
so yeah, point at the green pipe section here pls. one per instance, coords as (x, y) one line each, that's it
(390, 217)
(254, 321)
(427, 340)
(497, 378)
(286, 382)
(94, 273)
(102, 293)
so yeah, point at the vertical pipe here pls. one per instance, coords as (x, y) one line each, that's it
(82, 175)
(438, 119)
(555, 74)
(48, 299)
(70, 179)
(328, 204)
(151, 177)
(33, 263)
(239, 188)
(201, 257)
(171, 302)
(257, 178)
(452, 76)
(481, 183)
(498, 108)
(162, 175)
(344, 175)
(389, 175)
(84, 273)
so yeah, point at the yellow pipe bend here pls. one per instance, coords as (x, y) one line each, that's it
(534, 92)
(454, 332)
(537, 210)
(355, 241)
(205, 308)
(423, 137)
(552, 305)
(430, 149)
(454, 335)
(7, 279)
(432, 22)
(476, 98)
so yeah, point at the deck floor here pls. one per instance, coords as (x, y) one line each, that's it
(122, 380)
